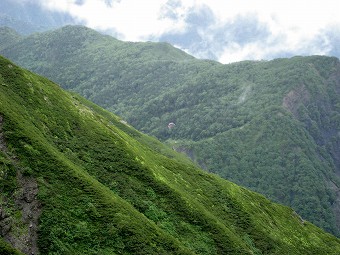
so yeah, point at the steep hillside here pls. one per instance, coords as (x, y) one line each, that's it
(76, 180)
(8, 37)
(270, 126)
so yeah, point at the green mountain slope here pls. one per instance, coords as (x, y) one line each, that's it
(270, 126)
(8, 37)
(76, 180)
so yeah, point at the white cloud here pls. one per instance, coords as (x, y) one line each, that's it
(294, 27)
(291, 24)
(134, 20)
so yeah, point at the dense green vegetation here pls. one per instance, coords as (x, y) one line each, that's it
(104, 190)
(272, 126)
(6, 249)
(8, 37)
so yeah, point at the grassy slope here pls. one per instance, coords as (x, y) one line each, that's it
(230, 118)
(6, 249)
(103, 191)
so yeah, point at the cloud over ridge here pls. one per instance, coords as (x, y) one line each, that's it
(227, 31)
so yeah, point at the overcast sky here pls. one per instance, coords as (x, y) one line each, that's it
(225, 30)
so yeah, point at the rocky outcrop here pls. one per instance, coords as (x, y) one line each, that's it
(5, 222)
(28, 204)
(21, 232)
(296, 96)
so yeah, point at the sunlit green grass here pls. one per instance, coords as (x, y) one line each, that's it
(106, 188)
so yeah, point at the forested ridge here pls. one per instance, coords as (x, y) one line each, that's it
(272, 126)
(98, 186)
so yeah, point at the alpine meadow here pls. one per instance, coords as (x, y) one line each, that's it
(271, 126)
(101, 187)
(77, 179)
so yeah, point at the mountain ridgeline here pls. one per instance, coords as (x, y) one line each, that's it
(28, 17)
(76, 179)
(271, 126)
